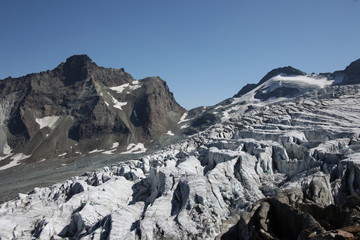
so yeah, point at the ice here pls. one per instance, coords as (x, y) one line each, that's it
(188, 189)
(48, 121)
(303, 83)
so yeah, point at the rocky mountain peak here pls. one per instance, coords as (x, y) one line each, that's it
(77, 67)
(287, 71)
(79, 107)
(79, 59)
(352, 73)
(354, 67)
(282, 70)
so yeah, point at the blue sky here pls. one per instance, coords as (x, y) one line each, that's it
(206, 50)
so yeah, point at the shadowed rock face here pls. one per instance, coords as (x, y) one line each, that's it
(79, 107)
(279, 92)
(352, 73)
(274, 219)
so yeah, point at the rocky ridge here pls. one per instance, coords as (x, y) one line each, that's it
(289, 161)
(80, 108)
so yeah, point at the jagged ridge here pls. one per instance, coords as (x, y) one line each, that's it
(79, 107)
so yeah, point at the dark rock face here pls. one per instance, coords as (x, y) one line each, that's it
(274, 219)
(277, 93)
(79, 106)
(247, 88)
(351, 74)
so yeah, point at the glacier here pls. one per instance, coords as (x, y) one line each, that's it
(300, 149)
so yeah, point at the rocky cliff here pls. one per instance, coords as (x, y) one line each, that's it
(79, 107)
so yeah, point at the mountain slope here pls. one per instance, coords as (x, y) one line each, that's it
(79, 107)
(278, 167)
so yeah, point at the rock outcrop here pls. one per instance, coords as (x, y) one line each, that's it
(351, 74)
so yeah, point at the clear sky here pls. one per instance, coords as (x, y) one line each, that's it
(206, 50)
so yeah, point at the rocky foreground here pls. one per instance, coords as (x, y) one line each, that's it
(279, 168)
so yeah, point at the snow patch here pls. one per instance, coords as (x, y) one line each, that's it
(115, 145)
(117, 104)
(96, 151)
(135, 148)
(183, 118)
(132, 88)
(170, 133)
(119, 89)
(303, 81)
(63, 154)
(15, 160)
(109, 152)
(48, 121)
(7, 149)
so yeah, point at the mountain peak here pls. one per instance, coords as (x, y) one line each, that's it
(78, 59)
(77, 62)
(289, 70)
(353, 69)
(77, 67)
(350, 75)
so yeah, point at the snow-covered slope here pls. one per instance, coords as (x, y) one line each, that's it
(304, 147)
(276, 89)
(279, 88)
